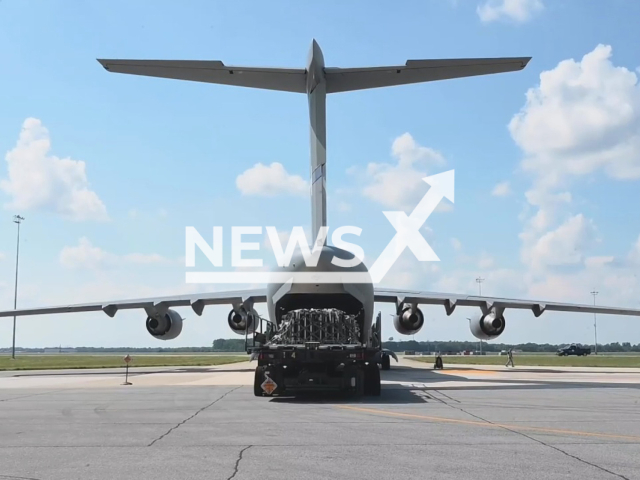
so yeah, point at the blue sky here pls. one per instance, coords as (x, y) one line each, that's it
(160, 154)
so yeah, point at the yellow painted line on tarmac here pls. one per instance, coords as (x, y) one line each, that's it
(491, 425)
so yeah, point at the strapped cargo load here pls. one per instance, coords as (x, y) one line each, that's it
(326, 326)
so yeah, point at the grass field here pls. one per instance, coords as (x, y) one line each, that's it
(56, 361)
(538, 360)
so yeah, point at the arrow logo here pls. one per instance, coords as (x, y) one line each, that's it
(408, 227)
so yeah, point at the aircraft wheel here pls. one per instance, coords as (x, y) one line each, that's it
(386, 362)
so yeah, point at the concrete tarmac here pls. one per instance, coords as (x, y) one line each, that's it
(204, 423)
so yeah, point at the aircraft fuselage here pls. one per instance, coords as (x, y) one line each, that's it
(351, 298)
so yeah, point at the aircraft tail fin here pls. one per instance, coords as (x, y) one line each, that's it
(282, 79)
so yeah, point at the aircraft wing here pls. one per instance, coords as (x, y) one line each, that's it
(213, 71)
(196, 301)
(451, 300)
(417, 71)
(294, 79)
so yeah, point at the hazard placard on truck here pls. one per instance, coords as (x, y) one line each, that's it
(269, 385)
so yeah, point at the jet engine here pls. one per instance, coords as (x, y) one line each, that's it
(165, 327)
(242, 322)
(487, 327)
(408, 322)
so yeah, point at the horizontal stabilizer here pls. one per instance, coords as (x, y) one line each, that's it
(283, 79)
(417, 71)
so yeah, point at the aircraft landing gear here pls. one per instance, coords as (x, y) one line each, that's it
(438, 365)
(385, 362)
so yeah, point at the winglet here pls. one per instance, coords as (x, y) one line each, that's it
(443, 183)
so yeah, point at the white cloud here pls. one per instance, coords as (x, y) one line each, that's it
(143, 258)
(456, 244)
(633, 257)
(562, 246)
(344, 207)
(38, 180)
(399, 184)
(582, 119)
(518, 11)
(84, 255)
(486, 261)
(502, 189)
(444, 206)
(135, 214)
(271, 180)
(2, 256)
(428, 231)
(87, 256)
(406, 272)
(583, 116)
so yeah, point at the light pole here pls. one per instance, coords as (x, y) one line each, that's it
(595, 323)
(16, 219)
(479, 281)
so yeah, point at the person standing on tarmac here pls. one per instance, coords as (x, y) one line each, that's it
(510, 360)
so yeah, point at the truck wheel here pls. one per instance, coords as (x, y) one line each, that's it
(385, 362)
(372, 380)
(257, 381)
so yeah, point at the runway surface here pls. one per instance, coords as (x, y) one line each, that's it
(205, 423)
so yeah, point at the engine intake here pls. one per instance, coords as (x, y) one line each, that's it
(242, 322)
(165, 327)
(487, 327)
(408, 322)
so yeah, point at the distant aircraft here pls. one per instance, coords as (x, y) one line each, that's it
(286, 301)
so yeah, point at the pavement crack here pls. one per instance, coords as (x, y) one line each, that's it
(445, 395)
(235, 468)
(15, 477)
(192, 416)
(27, 396)
(553, 447)
(569, 454)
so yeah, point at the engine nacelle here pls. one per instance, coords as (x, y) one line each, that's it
(165, 327)
(408, 322)
(487, 327)
(242, 322)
